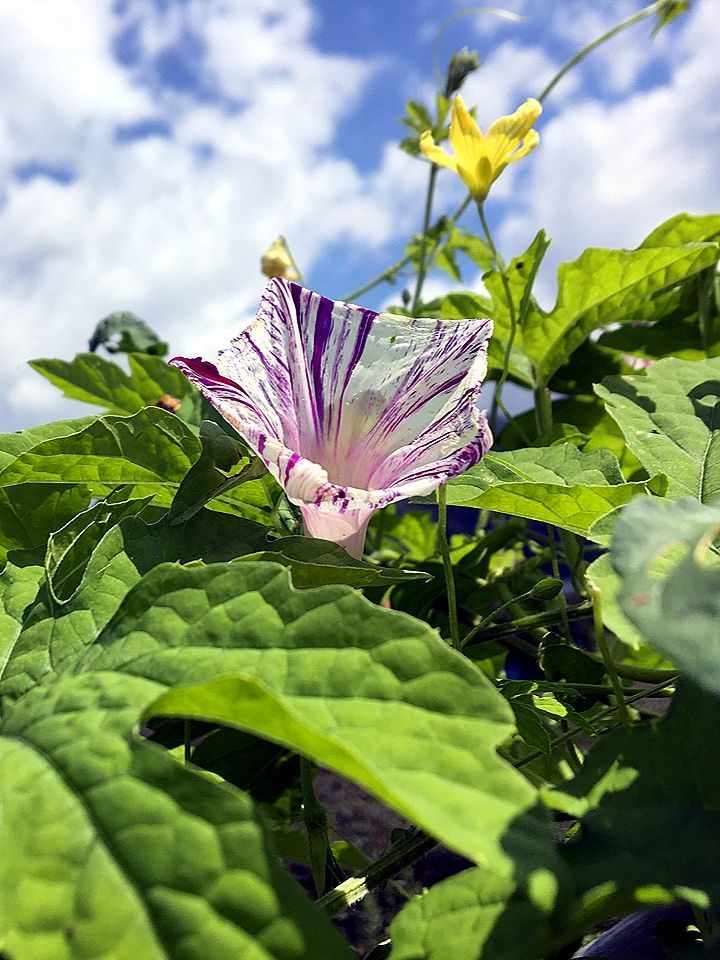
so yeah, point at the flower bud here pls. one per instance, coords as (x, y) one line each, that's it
(277, 262)
(546, 589)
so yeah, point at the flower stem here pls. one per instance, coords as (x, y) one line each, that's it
(622, 710)
(511, 312)
(562, 605)
(447, 564)
(545, 618)
(603, 715)
(315, 819)
(598, 41)
(422, 264)
(399, 856)
(386, 276)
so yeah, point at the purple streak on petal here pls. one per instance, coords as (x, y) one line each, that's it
(350, 410)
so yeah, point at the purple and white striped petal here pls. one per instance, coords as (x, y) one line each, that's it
(350, 409)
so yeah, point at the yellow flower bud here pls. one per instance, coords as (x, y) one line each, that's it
(277, 262)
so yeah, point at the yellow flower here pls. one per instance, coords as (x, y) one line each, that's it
(277, 262)
(479, 160)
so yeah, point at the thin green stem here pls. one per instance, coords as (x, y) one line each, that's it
(315, 819)
(483, 624)
(610, 666)
(422, 263)
(400, 855)
(533, 620)
(187, 737)
(511, 312)
(603, 715)
(387, 275)
(643, 674)
(447, 565)
(573, 61)
(562, 605)
(543, 410)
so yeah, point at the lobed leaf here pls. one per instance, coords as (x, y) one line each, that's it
(559, 485)
(670, 417)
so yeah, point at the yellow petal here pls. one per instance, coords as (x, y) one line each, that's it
(528, 144)
(435, 153)
(507, 132)
(466, 138)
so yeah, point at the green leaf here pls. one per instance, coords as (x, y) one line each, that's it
(478, 915)
(152, 448)
(649, 825)
(124, 332)
(327, 673)
(70, 548)
(670, 417)
(128, 550)
(413, 533)
(29, 512)
(13, 444)
(609, 286)
(518, 278)
(668, 560)
(94, 380)
(317, 562)
(560, 485)
(150, 452)
(467, 304)
(18, 589)
(684, 228)
(204, 481)
(112, 848)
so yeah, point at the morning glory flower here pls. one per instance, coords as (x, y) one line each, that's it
(480, 159)
(350, 410)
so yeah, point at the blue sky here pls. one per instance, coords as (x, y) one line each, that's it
(151, 149)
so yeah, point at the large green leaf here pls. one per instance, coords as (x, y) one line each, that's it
(668, 560)
(29, 512)
(54, 634)
(684, 228)
(477, 915)
(152, 448)
(70, 548)
(560, 485)
(609, 286)
(327, 673)
(670, 417)
(318, 562)
(112, 849)
(150, 452)
(649, 803)
(13, 444)
(92, 379)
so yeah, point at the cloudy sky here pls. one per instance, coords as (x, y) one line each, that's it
(151, 149)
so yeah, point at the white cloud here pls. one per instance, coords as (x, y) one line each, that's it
(173, 227)
(606, 174)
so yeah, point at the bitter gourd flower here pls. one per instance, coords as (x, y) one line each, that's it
(350, 410)
(479, 159)
(277, 262)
